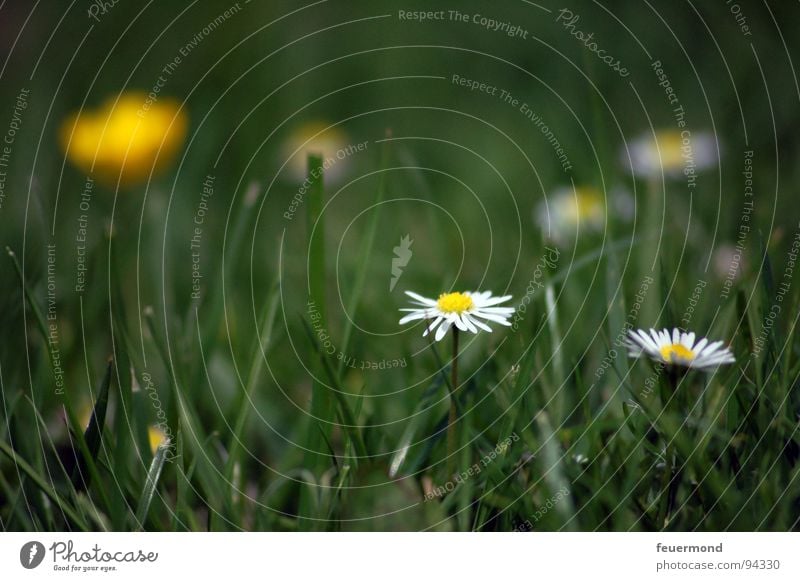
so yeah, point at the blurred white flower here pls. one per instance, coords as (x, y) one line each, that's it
(464, 310)
(318, 138)
(566, 211)
(728, 261)
(678, 349)
(580, 459)
(671, 151)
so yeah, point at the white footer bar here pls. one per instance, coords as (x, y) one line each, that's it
(401, 556)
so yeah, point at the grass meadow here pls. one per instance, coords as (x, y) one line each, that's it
(210, 215)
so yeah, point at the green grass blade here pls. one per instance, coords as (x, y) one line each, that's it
(213, 301)
(44, 430)
(266, 330)
(149, 490)
(75, 426)
(322, 406)
(416, 421)
(553, 468)
(557, 346)
(94, 432)
(617, 313)
(51, 493)
(186, 421)
(347, 417)
(364, 258)
(34, 306)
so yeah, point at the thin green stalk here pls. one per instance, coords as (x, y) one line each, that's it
(663, 509)
(263, 342)
(453, 417)
(669, 483)
(150, 485)
(557, 346)
(322, 406)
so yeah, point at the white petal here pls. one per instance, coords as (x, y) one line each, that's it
(700, 345)
(639, 337)
(720, 356)
(425, 301)
(459, 323)
(413, 317)
(497, 310)
(712, 348)
(480, 324)
(490, 317)
(633, 343)
(491, 301)
(442, 330)
(646, 341)
(432, 326)
(658, 339)
(479, 297)
(468, 323)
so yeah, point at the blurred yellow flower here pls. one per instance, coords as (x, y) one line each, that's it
(320, 138)
(157, 437)
(566, 210)
(671, 151)
(126, 138)
(85, 415)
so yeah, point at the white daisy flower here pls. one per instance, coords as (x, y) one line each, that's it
(679, 349)
(672, 152)
(467, 311)
(729, 262)
(565, 210)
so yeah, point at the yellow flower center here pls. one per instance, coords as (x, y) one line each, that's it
(676, 351)
(454, 303)
(670, 145)
(590, 204)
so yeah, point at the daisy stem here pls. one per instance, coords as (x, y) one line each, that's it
(669, 482)
(666, 479)
(453, 418)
